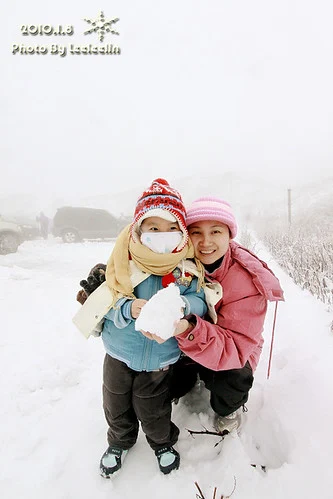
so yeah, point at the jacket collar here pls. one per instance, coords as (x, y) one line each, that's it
(262, 276)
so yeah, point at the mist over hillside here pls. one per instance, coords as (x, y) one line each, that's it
(249, 196)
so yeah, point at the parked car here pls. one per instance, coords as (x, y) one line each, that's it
(10, 237)
(30, 232)
(29, 226)
(76, 223)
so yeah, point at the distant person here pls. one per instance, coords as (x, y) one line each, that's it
(148, 255)
(44, 222)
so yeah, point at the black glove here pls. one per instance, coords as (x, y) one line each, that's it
(95, 278)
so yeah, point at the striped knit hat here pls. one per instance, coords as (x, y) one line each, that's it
(160, 200)
(212, 208)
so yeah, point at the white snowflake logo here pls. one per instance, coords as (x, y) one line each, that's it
(101, 26)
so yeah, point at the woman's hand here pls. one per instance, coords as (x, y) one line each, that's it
(152, 336)
(180, 328)
(136, 307)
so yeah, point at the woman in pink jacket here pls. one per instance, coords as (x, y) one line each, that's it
(224, 354)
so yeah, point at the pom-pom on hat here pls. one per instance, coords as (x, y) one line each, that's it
(212, 208)
(160, 200)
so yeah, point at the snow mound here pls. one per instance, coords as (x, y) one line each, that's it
(160, 314)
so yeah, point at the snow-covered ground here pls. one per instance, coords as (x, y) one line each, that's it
(52, 425)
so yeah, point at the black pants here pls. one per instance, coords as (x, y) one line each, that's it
(131, 396)
(229, 390)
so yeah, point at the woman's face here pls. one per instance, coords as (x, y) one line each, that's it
(210, 240)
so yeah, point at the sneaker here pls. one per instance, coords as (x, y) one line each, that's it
(168, 459)
(111, 461)
(228, 423)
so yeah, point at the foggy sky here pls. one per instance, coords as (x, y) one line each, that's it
(199, 87)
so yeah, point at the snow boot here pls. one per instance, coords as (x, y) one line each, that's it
(111, 461)
(168, 459)
(228, 423)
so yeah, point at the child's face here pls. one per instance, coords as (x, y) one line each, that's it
(157, 224)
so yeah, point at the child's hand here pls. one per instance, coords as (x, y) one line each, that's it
(136, 307)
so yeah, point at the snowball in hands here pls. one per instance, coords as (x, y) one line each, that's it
(161, 313)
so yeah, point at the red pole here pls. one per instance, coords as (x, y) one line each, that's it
(272, 342)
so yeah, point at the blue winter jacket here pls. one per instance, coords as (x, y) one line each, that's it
(123, 342)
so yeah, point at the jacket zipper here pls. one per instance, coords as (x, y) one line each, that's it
(149, 347)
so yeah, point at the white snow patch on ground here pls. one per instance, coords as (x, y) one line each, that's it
(53, 431)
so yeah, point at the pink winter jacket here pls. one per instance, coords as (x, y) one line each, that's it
(247, 284)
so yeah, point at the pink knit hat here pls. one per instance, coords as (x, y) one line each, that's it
(212, 208)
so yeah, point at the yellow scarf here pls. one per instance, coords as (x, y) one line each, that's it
(118, 270)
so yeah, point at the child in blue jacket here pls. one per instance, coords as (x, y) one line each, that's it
(152, 252)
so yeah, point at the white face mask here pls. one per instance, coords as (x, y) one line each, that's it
(161, 242)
